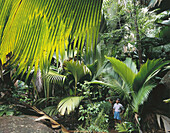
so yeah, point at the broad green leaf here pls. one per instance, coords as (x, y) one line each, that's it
(51, 110)
(10, 112)
(2, 112)
(147, 71)
(78, 69)
(96, 69)
(167, 100)
(68, 104)
(141, 96)
(93, 67)
(123, 70)
(33, 29)
(54, 77)
(101, 83)
(131, 65)
(122, 90)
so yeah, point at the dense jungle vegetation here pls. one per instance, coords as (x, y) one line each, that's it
(64, 63)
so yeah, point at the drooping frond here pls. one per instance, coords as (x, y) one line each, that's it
(166, 122)
(147, 71)
(131, 65)
(68, 104)
(51, 110)
(123, 90)
(141, 96)
(54, 77)
(93, 67)
(33, 29)
(96, 70)
(154, 2)
(77, 69)
(100, 83)
(123, 70)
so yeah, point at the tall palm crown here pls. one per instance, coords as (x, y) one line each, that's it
(33, 29)
(133, 86)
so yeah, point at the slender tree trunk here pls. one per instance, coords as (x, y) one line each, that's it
(137, 35)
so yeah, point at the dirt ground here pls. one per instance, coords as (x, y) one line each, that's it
(112, 131)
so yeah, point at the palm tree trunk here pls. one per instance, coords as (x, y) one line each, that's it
(75, 85)
(137, 35)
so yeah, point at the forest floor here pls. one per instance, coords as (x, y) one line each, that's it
(112, 131)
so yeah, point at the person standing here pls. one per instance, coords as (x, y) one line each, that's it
(117, 110)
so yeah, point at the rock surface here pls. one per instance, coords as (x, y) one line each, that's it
(166, 80)
(15, 124)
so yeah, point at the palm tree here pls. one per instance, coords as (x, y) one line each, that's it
(134, 86)
(32, 30)
(78, 70)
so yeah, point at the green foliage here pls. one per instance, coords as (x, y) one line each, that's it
(167, 100)
(46, 26)
(69, 104)
(126, 87)
(8, 110)
(9, 98)
(51, 79)
(147, 71)
(93, 67)
(23, 92)
(126, 127)
(123, 70)
(51, 110)
(54, 77)
(95, 115)
(44, 101)
(78, 70)
(141, 96)
(119, 37)
(49, 26)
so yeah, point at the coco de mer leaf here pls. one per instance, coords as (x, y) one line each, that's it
(123, 70)
(69, 104)
(33, 29)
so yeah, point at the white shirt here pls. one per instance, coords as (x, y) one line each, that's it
(118, 107)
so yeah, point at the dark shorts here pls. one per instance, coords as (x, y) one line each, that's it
(117, 115)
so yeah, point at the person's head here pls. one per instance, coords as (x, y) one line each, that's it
(117, 100)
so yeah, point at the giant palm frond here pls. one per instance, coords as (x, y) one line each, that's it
(122, 90)
(139, 89)
(147, 71)
(141, 96)
(52, 78)
(69, 104)
(131, 65)
(33, 29)
(96, 69)
(123, 70)
(78, 70)
(114, 81)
